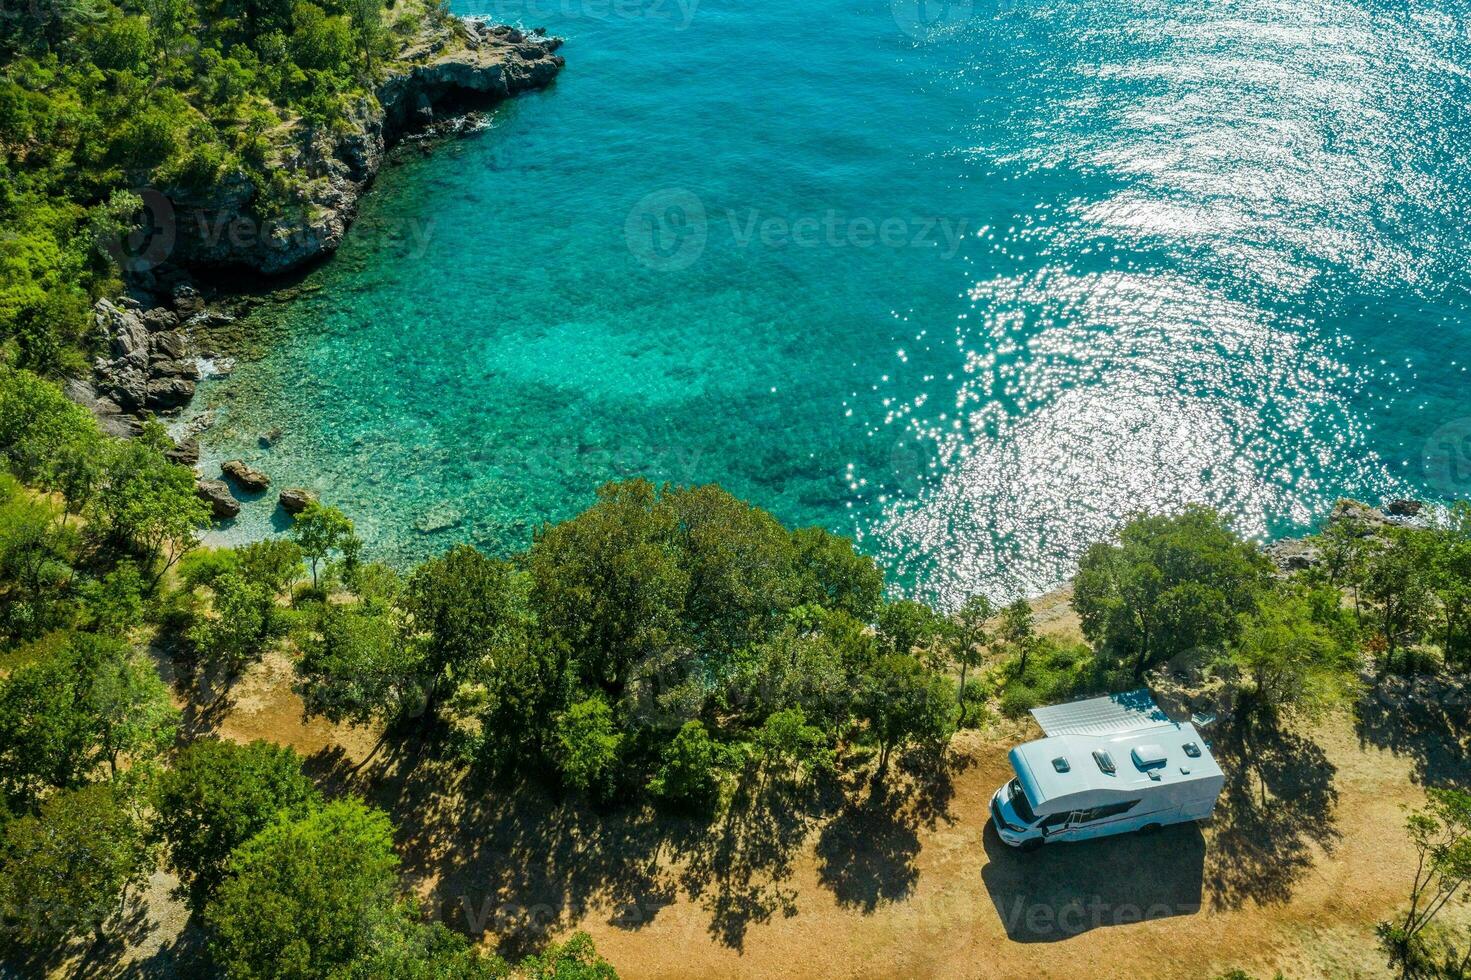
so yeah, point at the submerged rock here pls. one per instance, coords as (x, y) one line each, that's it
(222, 503)
(1404, 508)
(185, 453)
(294, 500)
(250, 479)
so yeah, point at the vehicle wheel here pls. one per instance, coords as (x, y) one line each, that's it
(1028, 846)
(1149, 828)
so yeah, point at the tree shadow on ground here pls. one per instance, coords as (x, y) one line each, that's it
(514, 860)
(110, 957)
(739, 866)
(1276, 809)
(206, 695)
(1066, 889)
(866, 854)
(521, 861)
(186, 955)
(1426, 719)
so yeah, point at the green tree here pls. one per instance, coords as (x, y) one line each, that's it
(244, 620)
(608, 583)
(575, 959)
(218, 795)
(273, 563)
(1397, 582)
(1451, 582)
(689, 769)
(149, 503)
(1018, 632)
(1441, 834)
(1345, 545)
(35, 565)
(68, 869)
(906, 626)
(832, 574)
(804, 665)
(39, 427)
(356, 667)
(403, 948)
(304, 897)
(114, 604)
(126, 703)
(369, 32)
(1170, 584)
(737, 569)
(902, 703)
(969, 636)
(1291, 664)
(462, 608)
(322, 531)
(788, 746)
(320, 42)
(586, 746)
(87, 706)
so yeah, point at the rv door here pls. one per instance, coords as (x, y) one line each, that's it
(1057, 824)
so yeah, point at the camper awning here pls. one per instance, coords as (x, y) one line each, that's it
(1126, 712)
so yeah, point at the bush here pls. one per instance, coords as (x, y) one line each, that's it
(576, 959)
(1017, 699)
(586, 746)
(688, 775)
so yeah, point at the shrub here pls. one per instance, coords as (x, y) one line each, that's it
(688, 775)
(586, 746)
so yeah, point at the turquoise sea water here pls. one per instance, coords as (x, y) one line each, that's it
(970, 282)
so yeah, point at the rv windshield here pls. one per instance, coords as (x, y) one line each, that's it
(1019, 803)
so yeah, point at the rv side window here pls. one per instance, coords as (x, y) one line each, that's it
(1104, 812)
(1055, 820)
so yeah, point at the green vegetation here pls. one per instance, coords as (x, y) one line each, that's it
(99, 98)
(1169, 586)
(1441, 833)
(218, 795)
(670, 646)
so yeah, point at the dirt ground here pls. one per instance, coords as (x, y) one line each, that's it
(848, 881)
(1305, 854)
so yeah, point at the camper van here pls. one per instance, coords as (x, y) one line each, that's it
(1108, 765)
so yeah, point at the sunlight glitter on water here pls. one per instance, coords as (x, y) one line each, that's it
(1213, 253)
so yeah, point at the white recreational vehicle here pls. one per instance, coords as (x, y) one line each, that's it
(1107, 765)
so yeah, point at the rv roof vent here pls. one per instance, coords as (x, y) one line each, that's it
(1153, 774)
(1061, 764)
(1148, 757)
(1105, 762)
(1192, 750)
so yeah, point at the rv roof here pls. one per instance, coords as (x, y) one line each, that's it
(1125, 712)
(1139, 760)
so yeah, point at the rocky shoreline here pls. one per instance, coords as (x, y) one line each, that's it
(159, 338)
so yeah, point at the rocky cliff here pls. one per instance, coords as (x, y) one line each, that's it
(155, 337)
(452, 66)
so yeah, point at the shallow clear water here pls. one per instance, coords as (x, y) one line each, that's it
(970, 282)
